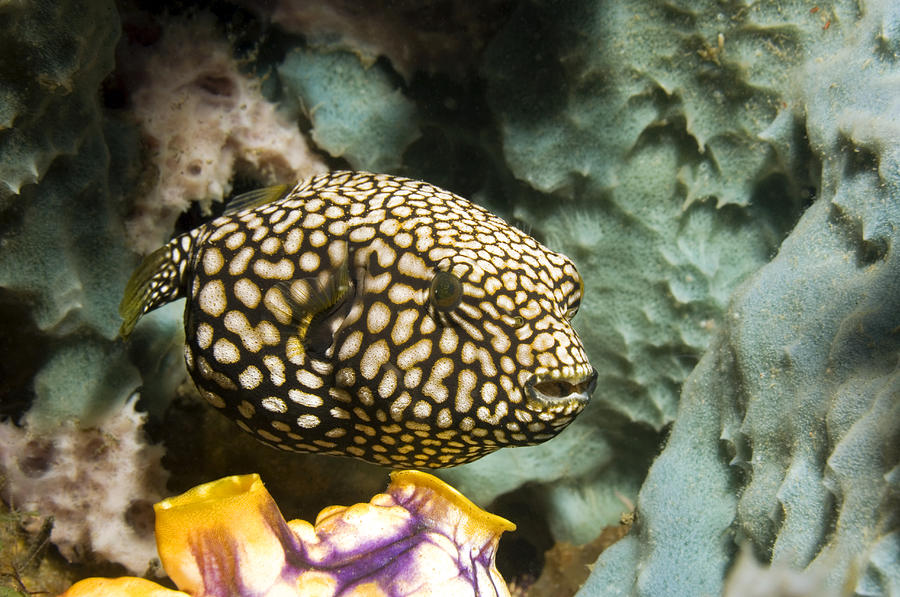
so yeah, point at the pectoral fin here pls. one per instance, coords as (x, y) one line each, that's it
(312, 300)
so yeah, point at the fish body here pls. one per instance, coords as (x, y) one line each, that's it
(375, 317)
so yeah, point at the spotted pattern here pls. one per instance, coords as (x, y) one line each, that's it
(388, 373)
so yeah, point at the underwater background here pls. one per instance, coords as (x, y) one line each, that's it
(725, 174)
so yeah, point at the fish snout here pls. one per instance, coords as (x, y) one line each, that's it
(557, 392)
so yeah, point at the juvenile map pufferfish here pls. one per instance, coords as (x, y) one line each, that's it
(376, 317)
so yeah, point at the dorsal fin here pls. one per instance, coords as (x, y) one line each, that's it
(255, 198)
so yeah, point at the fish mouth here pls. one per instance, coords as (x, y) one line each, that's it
(555, 391)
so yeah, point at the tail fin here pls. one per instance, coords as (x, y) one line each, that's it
(158, 280)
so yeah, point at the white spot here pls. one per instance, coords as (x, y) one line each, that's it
(422, 409)
(375, 356)
(337, 252)
(286, 223)
(416, 353)
(250, 378)
(307, 421)
(310, 380)
(465, 385)
(293, 240)
(226, 352)
(247, 292)
(309, 261)
(204, 335)
(259, 233)
(489, 392)
(283, 270)
(273, 404)
(444, 418)
(403, 327)
(378, 318)
(221, 231)
(238, 263)
(313, 221)
(212, 298)
(362, 234)
(337, 228)
(317, 238)
(235, 240)
(435, 387)
(389, 227)
(399, 405)
(388, 384)
(403, 240)
(350, 346)
(412, 378)
(270, 245)
(400, 293)
(413, 266)
(305, 399)
(276, 369)
(212, 261)
(449, 340)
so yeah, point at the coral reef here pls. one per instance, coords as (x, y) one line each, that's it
(420, 537)
(665, 192)
(356, 112)
(62, 264)
(667, 147)
(97, 484)
(202, 120)
(788, 431)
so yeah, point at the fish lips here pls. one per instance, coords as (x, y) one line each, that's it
(560, 394)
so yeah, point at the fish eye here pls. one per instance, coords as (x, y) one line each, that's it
(572, 311)
(446, 291)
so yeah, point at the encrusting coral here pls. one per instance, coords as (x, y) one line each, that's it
(356, 111)
(98, 484)
(787, 438)
(227, 537)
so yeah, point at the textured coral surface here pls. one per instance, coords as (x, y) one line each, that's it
(788, 431)
(668, 147)
(99, 484)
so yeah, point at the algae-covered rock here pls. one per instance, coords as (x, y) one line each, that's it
(788, 432)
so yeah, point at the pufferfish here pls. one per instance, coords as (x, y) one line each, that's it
(376, 317)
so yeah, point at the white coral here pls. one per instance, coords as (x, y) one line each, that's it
(202, 118)
(98, 484)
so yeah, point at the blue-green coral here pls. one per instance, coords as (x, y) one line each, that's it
(356, 112)
(665, 188)
(788, 432)
(668, 147)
